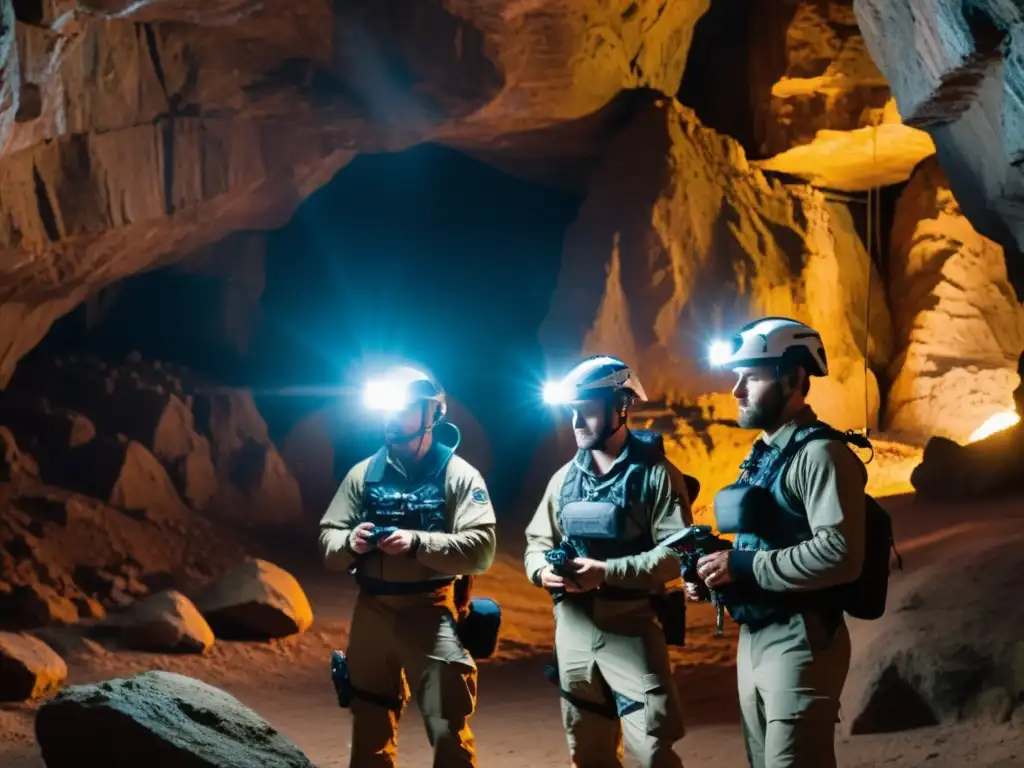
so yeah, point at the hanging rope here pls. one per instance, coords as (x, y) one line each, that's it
(873, 231)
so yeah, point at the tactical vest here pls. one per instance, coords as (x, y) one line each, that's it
(627, 490)
(781, 522)
(413, 505)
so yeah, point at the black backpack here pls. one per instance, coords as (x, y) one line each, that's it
(865, 597)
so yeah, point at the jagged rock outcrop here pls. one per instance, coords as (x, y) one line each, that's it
(134, 133)
(958, 326)
(829, 80)
(804, 93)
(951, 68)
(66, 557)
(680, 240)
(159, 719)
(157, 436)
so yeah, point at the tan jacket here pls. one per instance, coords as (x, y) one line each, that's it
(468, 549)
(648, 570)
(829, 479)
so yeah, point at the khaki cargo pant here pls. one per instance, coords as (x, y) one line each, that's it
(790, 677)
(402, 643)
(617, 645)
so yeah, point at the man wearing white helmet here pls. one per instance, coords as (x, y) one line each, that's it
(604, 513)
(408, 521)
(798, 510)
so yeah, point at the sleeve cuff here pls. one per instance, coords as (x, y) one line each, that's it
(741, 563)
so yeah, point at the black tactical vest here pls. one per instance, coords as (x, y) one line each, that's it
(781, 522)
(413, 505)
(626, 487)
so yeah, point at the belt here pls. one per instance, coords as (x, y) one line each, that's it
(371, 586)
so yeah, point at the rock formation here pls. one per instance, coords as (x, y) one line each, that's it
(29, 668)
(793, 82)
(951, 68)
(948, 649)
(257, 600)
(166, 621)
(958, 326)
(132, 133)
(149, 435)
(692, 243)
(159, 719)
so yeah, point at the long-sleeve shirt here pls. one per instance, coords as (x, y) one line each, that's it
(663, 516)
(468, 548)
(829, 480)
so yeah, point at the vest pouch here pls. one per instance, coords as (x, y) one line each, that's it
(591, 520)
(739, 507)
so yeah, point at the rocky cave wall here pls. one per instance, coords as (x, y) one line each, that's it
(139, 135)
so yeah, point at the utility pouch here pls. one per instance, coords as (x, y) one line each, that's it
(340, 678)
(738, 507)
(591, 520)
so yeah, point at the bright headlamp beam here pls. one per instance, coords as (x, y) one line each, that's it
(719, 353)
(556, 393)
(385, 395)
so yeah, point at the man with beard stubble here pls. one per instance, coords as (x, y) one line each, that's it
(780, 580)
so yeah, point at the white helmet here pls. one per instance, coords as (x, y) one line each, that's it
(593, 378)
(773, 340)
(402, 386)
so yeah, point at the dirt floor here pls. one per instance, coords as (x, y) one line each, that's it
(518, 721)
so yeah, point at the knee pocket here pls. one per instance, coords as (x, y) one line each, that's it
(447, 690)
(662, 716)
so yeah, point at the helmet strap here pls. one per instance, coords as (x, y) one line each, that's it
(421, 432)
(608, 431)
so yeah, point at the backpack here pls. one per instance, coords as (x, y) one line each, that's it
(865, 597)
(654, 442)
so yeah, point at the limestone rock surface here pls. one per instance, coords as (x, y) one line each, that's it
(958, 325)
(134, 133)
(679, 241)
(956, 72)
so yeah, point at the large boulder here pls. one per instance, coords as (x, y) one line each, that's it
(166, 621)
(992, 466)
(952, 68)
(29, 668)
(680, 240)
(258, 600)
(161, 720)
(950, 645)
(958, 325)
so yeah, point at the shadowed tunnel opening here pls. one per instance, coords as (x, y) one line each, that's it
(426, 255)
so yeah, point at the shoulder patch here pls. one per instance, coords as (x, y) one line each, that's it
(479, 495)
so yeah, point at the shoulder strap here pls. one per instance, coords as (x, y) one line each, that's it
(817, 430)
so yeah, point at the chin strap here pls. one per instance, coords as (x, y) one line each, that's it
(608, 433)
(421, 433)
